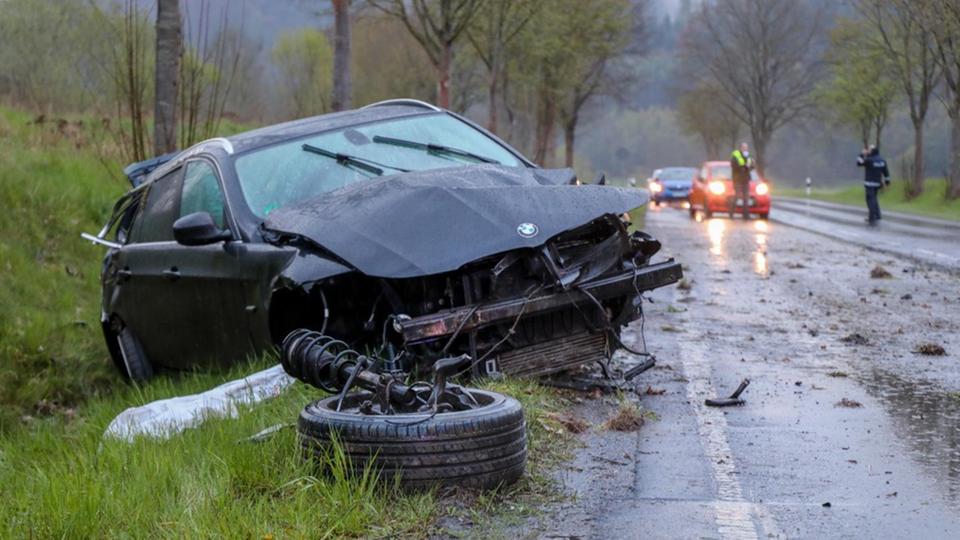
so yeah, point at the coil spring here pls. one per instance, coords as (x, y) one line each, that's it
(317, 359)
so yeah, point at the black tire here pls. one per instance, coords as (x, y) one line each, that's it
(132, 362)
(764, 216)
(479, 448)
(693, 212)
(707, 213)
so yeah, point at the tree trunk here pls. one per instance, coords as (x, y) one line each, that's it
(167, 77)
(569, 139)
(492, 101)
(916, 182)
(443, 76)
(953, 181)
(545, 122)
(342, 83)
(760, 139)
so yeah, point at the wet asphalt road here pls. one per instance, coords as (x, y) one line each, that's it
(799, 315)
(929, 241)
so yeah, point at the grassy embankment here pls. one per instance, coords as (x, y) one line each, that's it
(58, 478)
(930, 203)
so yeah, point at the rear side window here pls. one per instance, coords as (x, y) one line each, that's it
(162, 208)
(201, 192)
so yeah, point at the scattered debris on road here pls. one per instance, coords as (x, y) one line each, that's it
(849, 403)
(628, 418)
(837, 374)
(570, 422)
(734, 398)
(641, 367)
(685, 284)
(930, 349)
(879, 272)
(651, 391)
(855, 339)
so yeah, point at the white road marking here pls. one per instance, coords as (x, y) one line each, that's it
(736, 518)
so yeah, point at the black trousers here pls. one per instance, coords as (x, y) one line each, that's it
(873, 205)
(741, 190)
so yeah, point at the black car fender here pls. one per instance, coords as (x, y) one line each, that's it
(295, 299)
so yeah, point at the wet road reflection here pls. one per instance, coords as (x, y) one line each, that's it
(926, 418)
(760, 255)
(715, 230)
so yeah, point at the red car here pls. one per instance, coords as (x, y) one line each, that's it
(713, 192)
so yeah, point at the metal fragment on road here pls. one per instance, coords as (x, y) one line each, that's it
(734, 398)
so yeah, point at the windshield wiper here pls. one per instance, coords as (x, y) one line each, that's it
(351, 161)
(433, 148)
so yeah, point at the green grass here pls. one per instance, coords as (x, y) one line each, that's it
(930, 203)
(60, 478)
(50, 346)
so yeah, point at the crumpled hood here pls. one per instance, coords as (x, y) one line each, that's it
(429, 222)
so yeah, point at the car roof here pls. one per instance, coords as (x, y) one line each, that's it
(384, 110)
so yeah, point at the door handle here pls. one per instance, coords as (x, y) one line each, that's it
(124, 274)
(172, 273)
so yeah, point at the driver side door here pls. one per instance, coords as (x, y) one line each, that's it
(186, 304)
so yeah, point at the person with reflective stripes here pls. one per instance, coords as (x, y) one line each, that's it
(875, 176)
(740, 166)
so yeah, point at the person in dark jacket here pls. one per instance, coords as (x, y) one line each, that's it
(740, 166)
(875, 176)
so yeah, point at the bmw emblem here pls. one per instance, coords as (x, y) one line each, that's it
(528, 230)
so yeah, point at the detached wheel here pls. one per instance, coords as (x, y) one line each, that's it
(483, 447)
(129, 357)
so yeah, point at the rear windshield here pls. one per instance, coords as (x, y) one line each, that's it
(677, 174)
(284, 174)
(720, 172)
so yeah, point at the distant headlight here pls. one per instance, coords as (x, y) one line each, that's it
(717, 187)
(655, 187)
(762, 188)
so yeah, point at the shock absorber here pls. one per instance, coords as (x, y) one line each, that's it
(330, 364)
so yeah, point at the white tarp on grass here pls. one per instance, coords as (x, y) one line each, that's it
(167, 417)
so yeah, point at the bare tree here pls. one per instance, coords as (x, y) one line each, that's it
(129, 73)
(943, 20)
(716, 127)
(763, 57)
(167, 75)
(436, 25)
(599, 38)
(899, 31)
(858, 93)
(208, 72)
(496, 25)
(342, 84)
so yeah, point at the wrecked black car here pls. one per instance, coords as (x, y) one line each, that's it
(369, 245)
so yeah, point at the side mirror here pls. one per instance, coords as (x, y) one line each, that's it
(198, 229)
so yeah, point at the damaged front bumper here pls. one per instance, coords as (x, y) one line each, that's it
(473, 317)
